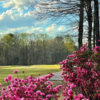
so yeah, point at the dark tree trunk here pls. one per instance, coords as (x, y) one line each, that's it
(26, 53)
(89, 17)
(96, 20)
(30, 52)
(81, 16)
(94, 36)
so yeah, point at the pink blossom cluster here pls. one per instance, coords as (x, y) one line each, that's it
(81, 75)
(29, 89)
(15, 71)
(96, 49)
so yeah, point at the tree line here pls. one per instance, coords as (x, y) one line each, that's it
(29, 49)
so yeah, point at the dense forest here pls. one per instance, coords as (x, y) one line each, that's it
(29, 49)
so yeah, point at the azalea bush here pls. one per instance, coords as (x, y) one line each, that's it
(29, 89)
(81, 74)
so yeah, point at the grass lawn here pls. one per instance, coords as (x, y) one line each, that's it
(33, 70)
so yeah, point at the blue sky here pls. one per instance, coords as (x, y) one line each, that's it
(16, 16)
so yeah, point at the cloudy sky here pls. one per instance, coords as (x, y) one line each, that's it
(16, 16)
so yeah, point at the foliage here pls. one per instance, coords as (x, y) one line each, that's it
(69, 43)
(29, 49)
(8, 39)
(81, 74)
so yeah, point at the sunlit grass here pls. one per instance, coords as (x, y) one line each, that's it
(33, 70)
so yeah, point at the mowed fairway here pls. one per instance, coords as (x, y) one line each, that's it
(33, 70)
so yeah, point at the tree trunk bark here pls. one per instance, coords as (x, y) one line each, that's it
(81, 23)
(96, 20)
(94, 36)
(26, 53)
(89, 16)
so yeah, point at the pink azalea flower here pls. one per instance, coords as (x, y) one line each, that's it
(97, 47)
(49, 95)
(22, 71)
(75, 97)
(0, 85)
(80, 95)
(38, 74)
(98, 40)
(15, 71)
(6, 80)
(9, 77)
(3, 88)
(70, 92)
(72, 86)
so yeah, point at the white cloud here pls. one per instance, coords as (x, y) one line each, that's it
(22, 29)
(35, 30)
(12, 18)
(28, 14)
(15, 19)
(61, 28)
(51, 28)
(8, 13)
(12, 30)
(17, 29)
(16, 4)
(41, 22)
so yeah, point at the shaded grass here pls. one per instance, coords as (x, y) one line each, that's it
(33, 70)
(56, 83)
